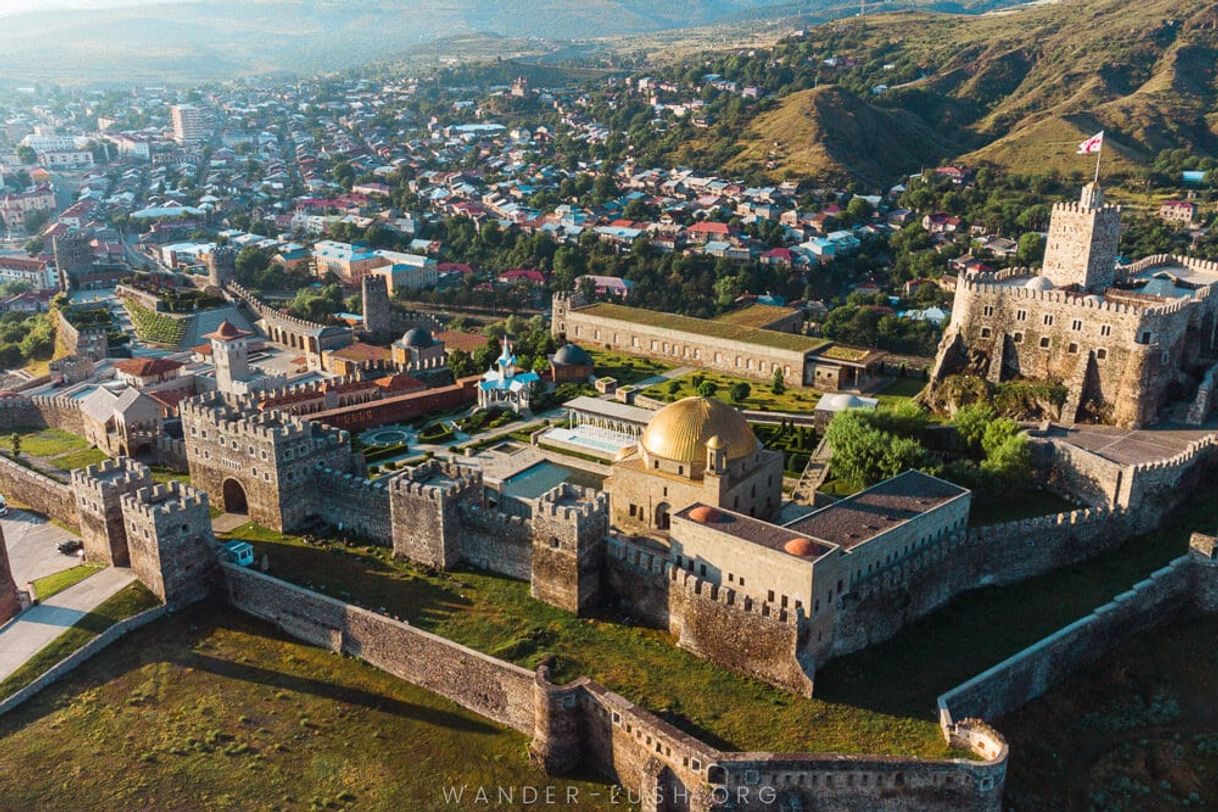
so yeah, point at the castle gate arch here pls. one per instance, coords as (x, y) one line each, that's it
(671, 794)
(233, 493)
(661, 517)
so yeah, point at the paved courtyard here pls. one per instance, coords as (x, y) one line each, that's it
(31, 542)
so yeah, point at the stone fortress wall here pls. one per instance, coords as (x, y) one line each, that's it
(583, 726)
(24, 486)
(1186, 587)
(1123, 355)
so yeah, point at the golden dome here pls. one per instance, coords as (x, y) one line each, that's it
(681, 430)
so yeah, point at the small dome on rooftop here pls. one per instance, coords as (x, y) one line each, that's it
(418, 337)
(800, 547)
(1039, 283)
(705, 514)
(572, 355)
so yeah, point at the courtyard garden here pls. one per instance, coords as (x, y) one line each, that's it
(210, 709)
(745, 393)
(626, 369)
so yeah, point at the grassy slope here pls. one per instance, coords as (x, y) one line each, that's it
(208, 709)
(829, 132)
(496, 615)
(1018, 89)
(57, 582)
(127, 602)
(1139, 729)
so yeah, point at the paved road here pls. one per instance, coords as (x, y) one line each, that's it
(31, 542)
(38, 626)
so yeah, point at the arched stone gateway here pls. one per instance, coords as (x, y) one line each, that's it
(234, 497)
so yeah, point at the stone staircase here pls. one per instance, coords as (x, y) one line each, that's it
(814, 475)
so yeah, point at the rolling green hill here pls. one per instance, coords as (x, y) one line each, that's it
(1017, 88)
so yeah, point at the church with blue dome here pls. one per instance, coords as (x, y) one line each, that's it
(504, 386)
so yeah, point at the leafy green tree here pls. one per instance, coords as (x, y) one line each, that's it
(971, 422)
(1031, 248)
(739, 392)
(673, 388)
(1010, 461)
(461, 364)
(26, 154)
(707, 389)
(14, 440)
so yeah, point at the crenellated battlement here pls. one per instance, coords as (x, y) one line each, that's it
(112, 477)
(350, 481)
(436, 480)
(1076, 207)
(1028, 528)
(163, 500)
(238, 416)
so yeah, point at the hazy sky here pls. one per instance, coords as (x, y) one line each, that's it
(17, 6)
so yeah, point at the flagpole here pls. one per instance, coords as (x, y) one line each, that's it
(1098, 155)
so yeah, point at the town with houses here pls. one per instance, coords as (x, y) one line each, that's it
(472, 331)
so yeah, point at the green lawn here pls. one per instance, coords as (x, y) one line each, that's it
(44, 442)
(127, 602)
(795, 399)
(981, 628)
(900, 390)
(163, 475)
(78, 459)
(54, 584)
(627, 369)
(496, 615)
(1138, 729)
(210, 709)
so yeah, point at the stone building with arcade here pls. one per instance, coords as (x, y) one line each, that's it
(1131, 345)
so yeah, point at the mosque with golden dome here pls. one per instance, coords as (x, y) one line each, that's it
(696, 450)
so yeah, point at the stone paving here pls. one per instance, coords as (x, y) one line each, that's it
(32, 542)
(1133, 446)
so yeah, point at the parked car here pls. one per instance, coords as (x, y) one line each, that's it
(3, 507)
(70, 546)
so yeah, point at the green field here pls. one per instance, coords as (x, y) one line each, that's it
(1138, 730)
(78, 459)
(209, 709)
(794, 399)
(496, 615)
(54, 584)
(706, 327)
(127, 602)
(44, 442)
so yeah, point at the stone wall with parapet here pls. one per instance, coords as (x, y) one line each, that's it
(170, 453)
(497, 542)
(22, 412)
(493, 688)
(1078, 473)
(1152, 488)
(1187, 585)
(354, 503)
(38, 491)
(715, 622)
(912, 587)
(582, 726)
(90, 343)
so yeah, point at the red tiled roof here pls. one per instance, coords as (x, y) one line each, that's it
(227, 331)
(143, 367)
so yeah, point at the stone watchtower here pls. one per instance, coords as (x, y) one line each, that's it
(230, 354)
(378, 313)
(1083, 242)
(170, 538)
(425, 509)
(99, 490)
(568, 526)
(10, 600)
(221, 265)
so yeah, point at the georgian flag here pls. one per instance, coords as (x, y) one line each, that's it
(1092, 145)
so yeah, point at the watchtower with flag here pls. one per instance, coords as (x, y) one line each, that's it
(1084, 237)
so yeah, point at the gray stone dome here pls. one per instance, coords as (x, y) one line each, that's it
(1038, 283)
(418, 337)
(573, 356)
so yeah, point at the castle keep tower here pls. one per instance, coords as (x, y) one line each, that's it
(10, 603)
(1083, 242)
(99, 490)
(425, 509)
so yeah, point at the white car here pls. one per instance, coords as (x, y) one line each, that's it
(3, 507)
